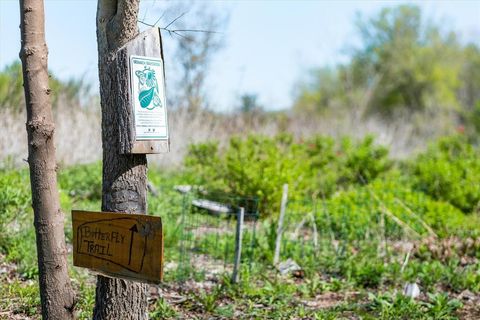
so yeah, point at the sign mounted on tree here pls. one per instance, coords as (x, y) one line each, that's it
(143, 113)
(119, 244)
(149, 98)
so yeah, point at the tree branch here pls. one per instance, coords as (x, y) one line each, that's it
(176, 31)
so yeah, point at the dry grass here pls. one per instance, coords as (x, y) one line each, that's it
(78, 137)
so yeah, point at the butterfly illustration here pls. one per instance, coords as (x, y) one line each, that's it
(149, 96)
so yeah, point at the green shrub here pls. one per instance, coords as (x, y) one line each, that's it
(75, 91)
(82, 182)
(259, 166)
(369, 273)
(389, 306)
(449, 170)
(15, 203)
(22, 251)
(17, 236)
(362, 162)
(204, 166)
(357, 213)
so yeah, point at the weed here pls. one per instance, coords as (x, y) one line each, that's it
(20, 297)
(162, 310)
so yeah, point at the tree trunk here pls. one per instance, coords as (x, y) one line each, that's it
(56, 292)
(124, 176)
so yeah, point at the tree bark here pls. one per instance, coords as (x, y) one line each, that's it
(124, 176)
(56, 293)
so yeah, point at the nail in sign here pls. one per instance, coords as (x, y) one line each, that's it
(119, 244)
(148, 93)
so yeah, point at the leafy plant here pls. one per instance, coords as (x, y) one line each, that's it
(162, 310)
(259, 166)
(82, 181)
(449, 170)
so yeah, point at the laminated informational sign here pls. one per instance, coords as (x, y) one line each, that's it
(148, 94)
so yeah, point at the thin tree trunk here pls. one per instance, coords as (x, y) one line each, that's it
(56, 292)
(124, 176)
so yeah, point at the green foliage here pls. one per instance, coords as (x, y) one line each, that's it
(469, 93)
(449, 171)
(413, 60)
(162, 310)
(22, 250)
(209, 300)
(11, 86)
(387, 306)
(255, 166)
(249, 104)
(404, 63)
(12, 93)
(17, 238)
(323, 89)
(203, 164)
(259, 166)
(363, 162)
(358, 212)
(20, 297)
(358, 235)
(451, 274)
(368, 274)
(85, 299)
(82, 182)
(15, 203)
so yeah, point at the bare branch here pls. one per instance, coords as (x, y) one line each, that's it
(193, 30)
(176, 31)
(145, 23)
(163, 14)
(173, 21)
(179, 34)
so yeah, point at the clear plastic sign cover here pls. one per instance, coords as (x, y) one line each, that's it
(148, 94)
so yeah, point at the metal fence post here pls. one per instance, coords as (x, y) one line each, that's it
(238, 245)
(283, 207)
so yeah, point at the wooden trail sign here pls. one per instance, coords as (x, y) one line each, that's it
(142, 108)
(119, 244)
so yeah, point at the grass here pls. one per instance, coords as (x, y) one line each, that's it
(20, 297)
(347, 273)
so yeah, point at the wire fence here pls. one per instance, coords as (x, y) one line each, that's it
(329, 226)
(202, 241)
(206, 235)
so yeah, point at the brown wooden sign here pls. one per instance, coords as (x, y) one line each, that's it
(119, 244)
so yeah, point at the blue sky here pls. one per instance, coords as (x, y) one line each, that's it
(269, 45)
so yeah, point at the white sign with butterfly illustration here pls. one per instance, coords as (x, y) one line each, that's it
(148, 89)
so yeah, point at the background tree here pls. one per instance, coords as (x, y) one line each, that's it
(322, 89)
(249, 104)
(56, 292)
(75, 91)
(404, 64)
(194, 44)
(411, 62)
(124, 176)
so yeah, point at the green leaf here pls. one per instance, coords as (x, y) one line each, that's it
(146, 97)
